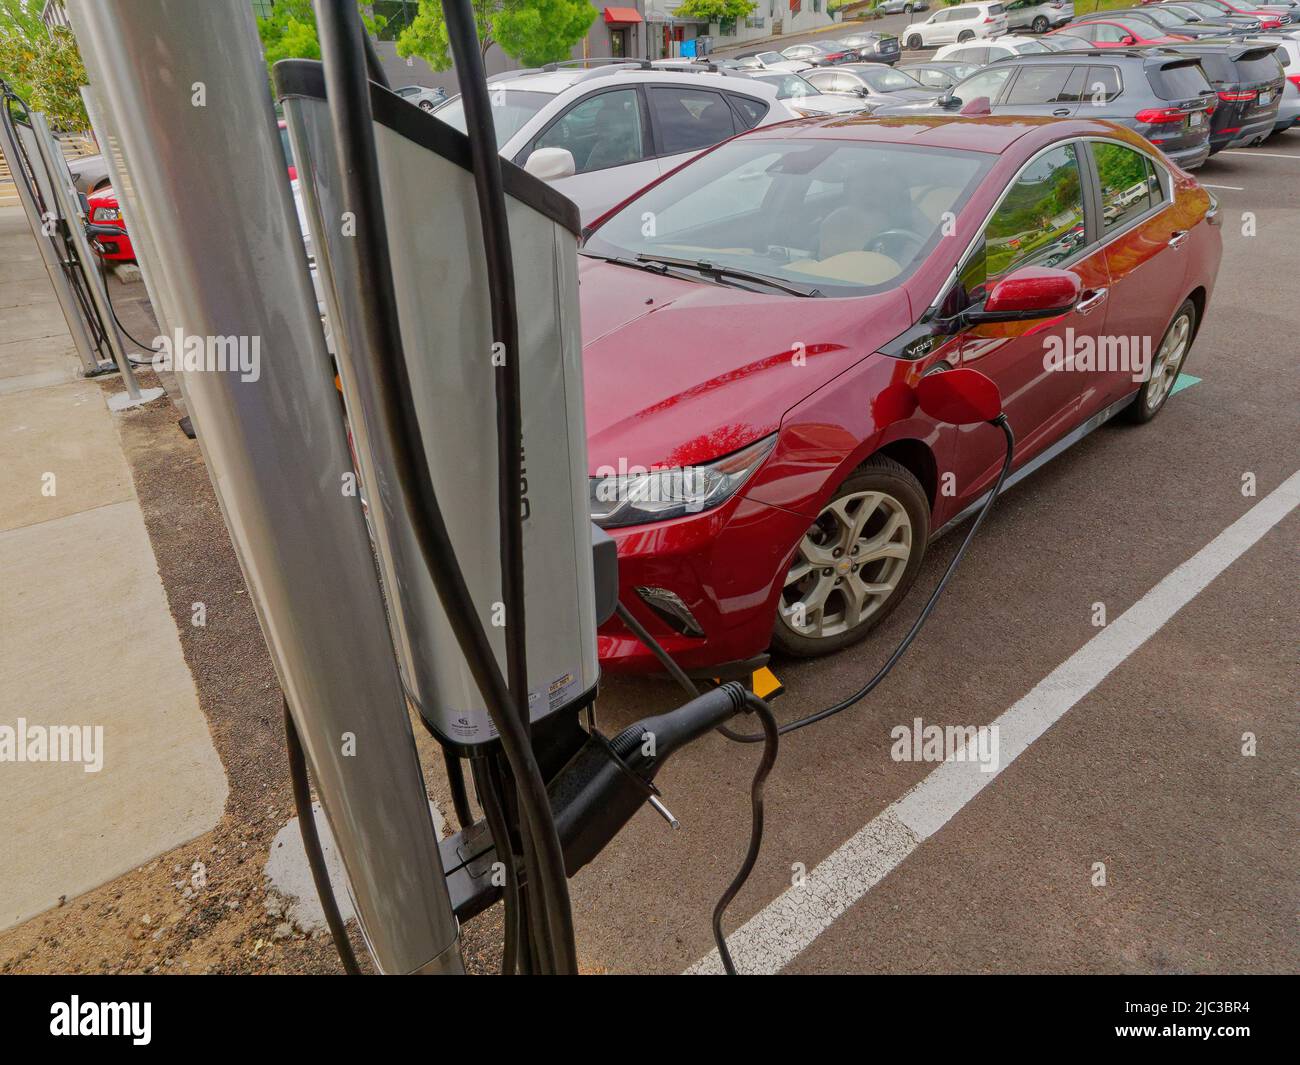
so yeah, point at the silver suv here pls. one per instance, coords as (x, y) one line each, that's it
(598, 133)
(1038, 15)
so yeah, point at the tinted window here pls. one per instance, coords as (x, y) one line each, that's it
(1103, 85)
(1258, 68)
(1129, 186)
(511, 108)
(751, 111)
(1040, 220)
(1075, 84)
(986, 83)
(978, 56)
(961, 13)
(1178, 83)
(1031, 48)
(1038, 85)
(687, 119)
(601, 131)
(995, 9)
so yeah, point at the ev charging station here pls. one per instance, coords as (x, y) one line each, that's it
(418, 540)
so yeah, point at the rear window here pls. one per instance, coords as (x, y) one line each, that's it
(1218, 68)
(1178, 82)
(995, 9)
(1258, 68)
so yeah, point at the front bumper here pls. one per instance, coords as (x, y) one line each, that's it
(727, 566)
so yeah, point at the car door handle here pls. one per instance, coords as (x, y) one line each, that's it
(1061, 112)
(1178, 239)
(1093, 299)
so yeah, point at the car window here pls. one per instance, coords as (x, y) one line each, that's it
(977, 56)
(771, 57)
(1039, 85)
(1129, 184)
(1178, 82)
(687, 119)
(1040, 220)
(934, 79)
(601, 131)
(837, 216)
(1030, 48)
(986, 83)
(750, 111)
(1105, 33)
(1258, 68)
(961, 13)
(885, 79)
(511, 108)
(1103, 85)
(1072, 92)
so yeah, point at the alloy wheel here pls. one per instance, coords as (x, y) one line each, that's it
(1168, 362)
(847, 565)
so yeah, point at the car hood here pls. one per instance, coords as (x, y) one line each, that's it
(681, 372)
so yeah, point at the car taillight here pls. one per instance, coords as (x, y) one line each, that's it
(1156, 115)
(1229, 97)
(989, 19)
(1294, 79)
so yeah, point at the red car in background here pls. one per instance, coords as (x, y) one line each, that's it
(106, 211)
(1120, 33)
(756, 321)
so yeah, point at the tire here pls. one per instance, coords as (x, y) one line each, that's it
(897, 516)
(965, 35)
(1039, 24)
(914, 42)
(907, 9)
(425, 105)
(1151, 397)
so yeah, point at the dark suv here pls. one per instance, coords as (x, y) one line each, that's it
(1160, 94)
(1249, 81)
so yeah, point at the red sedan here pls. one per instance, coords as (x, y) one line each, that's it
(1121, 33)
(106, 211)
(755, 323)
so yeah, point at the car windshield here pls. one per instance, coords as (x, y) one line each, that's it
(1062, 42)
(770, 57)
(886, 79)
(1030, 48)
(790, 86)
(511, 108)
(823, 217)
(1163, 18)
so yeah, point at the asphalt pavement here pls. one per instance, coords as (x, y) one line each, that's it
(1151, 826)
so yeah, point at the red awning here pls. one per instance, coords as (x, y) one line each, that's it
(622, 14)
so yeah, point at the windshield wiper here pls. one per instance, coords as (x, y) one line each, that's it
(716, 271)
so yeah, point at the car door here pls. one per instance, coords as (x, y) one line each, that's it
(1052, 90)
(938, 29)
(1042, 220)
(686, 120)
(1020, 13)
(1142, 238)
(608, 136)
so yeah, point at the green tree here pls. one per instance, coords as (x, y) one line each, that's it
(289, 31)
(43, 67)
(532, 31)
(715, 10)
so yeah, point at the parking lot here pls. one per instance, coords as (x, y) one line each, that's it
(1143, 771)
(1117, 649)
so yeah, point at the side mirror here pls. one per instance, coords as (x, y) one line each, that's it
(1026, 294)
(949, 102)
(551, 163)
(959, 397)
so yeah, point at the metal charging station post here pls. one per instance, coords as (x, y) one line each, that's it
(209, 180)
(53, 267)
(65, 200)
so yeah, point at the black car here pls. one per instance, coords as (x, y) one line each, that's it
(1249, 81)
(873, 47)
(1198, 11)
(941, 74)
(1159, 93)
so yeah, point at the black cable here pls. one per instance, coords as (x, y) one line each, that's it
(489, 187)
(656, 648)
(771, 741)
(459, 793)
(108, 295)
(347, 89)
(311, 844)
(490, 797)
(830, 711)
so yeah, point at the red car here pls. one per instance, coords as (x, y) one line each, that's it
(1120, 33)
(755, 322)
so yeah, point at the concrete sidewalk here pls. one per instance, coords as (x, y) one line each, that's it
(86, 637)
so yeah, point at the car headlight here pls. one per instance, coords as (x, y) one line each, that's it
(635, 495)
(106, 214)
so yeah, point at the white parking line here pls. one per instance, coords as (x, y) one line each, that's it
(1258, 155)
(1232, 188)
(774, 936)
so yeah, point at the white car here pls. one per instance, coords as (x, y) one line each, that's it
(983, 52)
(804, 98)
(757, 61)
(962, 23)
(600, 133)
